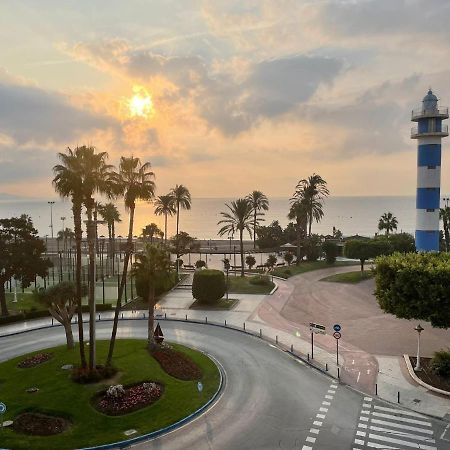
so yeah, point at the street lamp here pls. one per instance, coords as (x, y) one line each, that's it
(51, 216)
(446, 200)
(419, 330)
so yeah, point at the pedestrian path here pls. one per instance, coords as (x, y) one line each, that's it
(388, 427)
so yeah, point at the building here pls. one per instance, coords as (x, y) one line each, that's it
(428, 132)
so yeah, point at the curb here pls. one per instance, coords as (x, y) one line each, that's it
(419, 381)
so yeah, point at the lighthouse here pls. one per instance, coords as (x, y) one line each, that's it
(428, 132)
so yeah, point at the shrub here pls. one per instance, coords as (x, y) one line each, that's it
(441, 363)
(208, 286)
(289, 257)
(331, 251)
(250, 261)
(199, 264)
(271, 261)
(287, 272)
(260, 280)
(312, 247)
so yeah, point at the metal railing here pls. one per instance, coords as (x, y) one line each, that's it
(442, 132)
(421, 112)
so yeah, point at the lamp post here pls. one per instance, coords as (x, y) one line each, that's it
(419, 330)
(51, 216)
(446, 200)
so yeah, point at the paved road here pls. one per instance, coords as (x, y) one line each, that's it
(270, 400)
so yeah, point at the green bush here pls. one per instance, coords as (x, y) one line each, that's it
(199, 264)
(441, 363)
(162, 284)
(331, 251)
(260, 280)
(208, 286)
(312, 247)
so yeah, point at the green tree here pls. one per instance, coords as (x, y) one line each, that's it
(312, 191)
(182, 200)
(151, 230)
(259, 202)
(312, 247)
(270, 236)
(208, 285)
(110, 214)
(399, 242)
(415, 286)
(271, 261)
(444, 215)
(182, 242)
(151, 266)
(21, 252)
(331, 251)
(250, 261)
(387, 222)
(238, 218)
(365, 249)
(134, 181)
(289, 257)
(165, 206)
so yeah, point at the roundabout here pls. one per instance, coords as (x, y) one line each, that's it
(269, 400)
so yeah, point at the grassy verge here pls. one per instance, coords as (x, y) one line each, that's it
(349, 277)
(306, 266)
(242, 285)
(58, 394)
(222, 304)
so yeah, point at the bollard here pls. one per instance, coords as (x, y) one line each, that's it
(307, 356)
(276, 339)
(326, 367)
(99, 317)
(398, 396)
(52, 321)
(186, 316)
(376, 389)
(206, 319)
(244, 326)
(260, 333)
(165, 315)
(143, 315)
(225, 322)
(292, 348)
(339, 376)
(122, 315)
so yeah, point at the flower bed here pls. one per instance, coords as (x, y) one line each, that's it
(176, 364)
(119, 400)
(34, 360)
(38, 424)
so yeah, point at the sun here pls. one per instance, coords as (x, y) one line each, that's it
(140, 104)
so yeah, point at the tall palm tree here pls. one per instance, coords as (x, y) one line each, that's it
(182, 199)
(165, 205)
(68, 183)
(299, 213)
(110, 214)
(239, 217)
(97, 178)
(313, 190)
(259, 202)
(444, 215)
(150, 231)
(387, 222)
(150, 266)
(134, 182)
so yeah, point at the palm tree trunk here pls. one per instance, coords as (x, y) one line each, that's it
(299, 240)
(121, 287)
(151, 318)
(241, 236)
(76, 209)
(4, 308)
(165, 228)
(254, 230)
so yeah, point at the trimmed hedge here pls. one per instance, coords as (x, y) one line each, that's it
(208, 286)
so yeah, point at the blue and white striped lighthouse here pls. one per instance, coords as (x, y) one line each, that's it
(428, 132)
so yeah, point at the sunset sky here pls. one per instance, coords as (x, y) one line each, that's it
(222, 96)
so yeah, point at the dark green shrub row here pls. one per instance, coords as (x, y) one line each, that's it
(208, 286)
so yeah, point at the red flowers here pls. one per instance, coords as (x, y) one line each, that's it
(32, 361)
(177, 365)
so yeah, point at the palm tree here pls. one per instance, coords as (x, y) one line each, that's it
(259, 202)
(150, 231)
(134, 182)
(68, 183)
(239, 217)
(110, 214)
(387, 222)
(165, 205)
(97, 178)
(182, 199)
(313, 191)
(444, 215)
(150, 266)
(299, 213)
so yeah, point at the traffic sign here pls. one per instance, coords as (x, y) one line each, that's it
(317, 327)
(337, 335)
(336, 327)
(2, 408)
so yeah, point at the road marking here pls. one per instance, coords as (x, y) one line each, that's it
(364, 411)
(311, 439)
(362, 425)
(324, 403)
(402, 419)
(364, 419)
(401, 426)
(368, 399)
(359, 441)
(400, 442)
(323, 410)
(357, 378)
(366, 405)
(331, 391)
(383, 446)
(445, 431)
(307, 447)
(329, 397)
(320, 416)
(404, 434)
(317, 423)
(333, 386)
(314, 430)
(401, 411)
(361, 433)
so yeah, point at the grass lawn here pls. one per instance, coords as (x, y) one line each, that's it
(349, 277)
(242, 285)
(25, 302)
(306, 266)
(59, 395)
(222, 304)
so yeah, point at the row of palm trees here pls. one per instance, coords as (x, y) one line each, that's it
(82, 174)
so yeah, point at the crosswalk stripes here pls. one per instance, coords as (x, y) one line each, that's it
(391, 428)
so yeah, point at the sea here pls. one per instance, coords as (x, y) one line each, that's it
(351, 215)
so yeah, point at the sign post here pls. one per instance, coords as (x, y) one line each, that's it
(337, 336)
(315, 328)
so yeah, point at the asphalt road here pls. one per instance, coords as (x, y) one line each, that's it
(270, 400)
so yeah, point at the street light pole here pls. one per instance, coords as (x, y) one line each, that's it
(51, 216)
(419, 330)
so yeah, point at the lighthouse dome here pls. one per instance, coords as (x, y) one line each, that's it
(430, 101)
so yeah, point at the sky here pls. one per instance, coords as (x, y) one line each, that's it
(224, 97)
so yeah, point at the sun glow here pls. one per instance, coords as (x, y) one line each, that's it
(141, 104)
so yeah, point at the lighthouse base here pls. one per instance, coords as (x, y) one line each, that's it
(427, 240)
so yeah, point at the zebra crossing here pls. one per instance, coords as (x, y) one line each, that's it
(389, 428)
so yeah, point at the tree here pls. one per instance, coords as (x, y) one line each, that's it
(151, 230)
(21, 252)
(152, 265)
(208, 285)
(61, 301)
(289, 257)
(365, 249)
(238, 218)
(110, 214)
(134, 182)
(182, 242)
(259, 202)
(399, 242)
(312, 191)
(271, 261)
(312, 247)
(331, 251)
(444, 215)
(299, 213)
(415, 286)
(250, 261)
(270, 236)
(182, 200)
(387, 222)
(165, 206)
